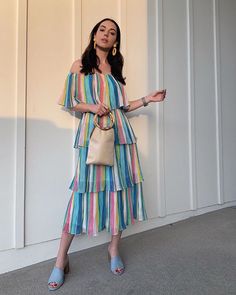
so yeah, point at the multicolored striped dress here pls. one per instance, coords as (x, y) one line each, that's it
(103, 197)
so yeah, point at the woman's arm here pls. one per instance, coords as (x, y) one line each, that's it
(100, 109)
(156, 96)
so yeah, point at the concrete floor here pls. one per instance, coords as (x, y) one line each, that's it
(195, 256)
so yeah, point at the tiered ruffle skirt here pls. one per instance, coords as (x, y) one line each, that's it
(106, 197)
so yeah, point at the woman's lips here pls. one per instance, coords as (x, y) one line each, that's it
(104, 40)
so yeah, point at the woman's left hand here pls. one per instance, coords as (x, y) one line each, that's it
(156, 96)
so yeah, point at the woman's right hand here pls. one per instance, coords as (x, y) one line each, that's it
(100, 109)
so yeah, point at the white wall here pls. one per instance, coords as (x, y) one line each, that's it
(198, 140)
(7, 119)
(186, 144)
(227, 77)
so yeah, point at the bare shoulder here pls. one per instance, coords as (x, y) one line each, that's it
(76, 66)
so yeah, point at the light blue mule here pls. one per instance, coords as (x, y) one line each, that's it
(57, 277)
(117, 266)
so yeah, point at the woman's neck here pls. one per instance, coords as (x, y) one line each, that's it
(102, 54)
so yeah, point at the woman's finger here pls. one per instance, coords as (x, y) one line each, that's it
(104, 110)
(158, 92)
(100, 108)
(105, 106)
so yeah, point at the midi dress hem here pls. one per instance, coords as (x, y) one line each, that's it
(103, 197)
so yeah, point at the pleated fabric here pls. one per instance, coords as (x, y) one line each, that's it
(91, 213)
(123, 131)
(92, 89)
(103, 197)
(125, 172)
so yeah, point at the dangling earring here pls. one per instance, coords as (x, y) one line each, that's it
(114, 50)
(94, 44)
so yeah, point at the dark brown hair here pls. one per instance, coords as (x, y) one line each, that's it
(90, 60)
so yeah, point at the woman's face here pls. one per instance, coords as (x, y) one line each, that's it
(106, 34)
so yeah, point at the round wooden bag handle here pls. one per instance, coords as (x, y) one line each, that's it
(110, 115)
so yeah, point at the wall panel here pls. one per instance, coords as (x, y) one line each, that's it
(204, 91)
(227, 20)
(176, 157)
(8, 51)
(144, 119)
(50, 131)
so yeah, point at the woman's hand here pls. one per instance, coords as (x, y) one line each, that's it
(100, 109)
(156, 96)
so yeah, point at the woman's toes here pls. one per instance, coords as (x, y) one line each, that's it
(53, 284)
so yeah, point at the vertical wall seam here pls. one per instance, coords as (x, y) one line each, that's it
(122, 8)
(218, 103)
(20, 123)
(73, 54)
(191, 107)
(25, 104)
(161, 193)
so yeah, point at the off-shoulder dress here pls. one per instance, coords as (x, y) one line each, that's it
(103, 197)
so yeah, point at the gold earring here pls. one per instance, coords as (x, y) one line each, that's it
(114, 50)
(94, 44)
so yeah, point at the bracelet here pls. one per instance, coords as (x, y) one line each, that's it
(145, 103)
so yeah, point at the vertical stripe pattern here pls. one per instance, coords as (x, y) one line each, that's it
(112, 211)
(103, 197)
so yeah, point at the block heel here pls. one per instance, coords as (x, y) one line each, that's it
(57, 277)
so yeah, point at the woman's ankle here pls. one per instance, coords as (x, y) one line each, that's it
(61, 261)
(113, 249)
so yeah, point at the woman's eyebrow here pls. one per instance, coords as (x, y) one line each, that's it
(110, 29)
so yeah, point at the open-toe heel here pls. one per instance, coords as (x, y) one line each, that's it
(116, 264)
(67, 268)
(57, 277)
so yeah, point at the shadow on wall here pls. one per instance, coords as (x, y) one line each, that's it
(49, 166)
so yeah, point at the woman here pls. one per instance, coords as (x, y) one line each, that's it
(103, 197)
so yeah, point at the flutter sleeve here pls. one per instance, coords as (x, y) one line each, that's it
(69, 97)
